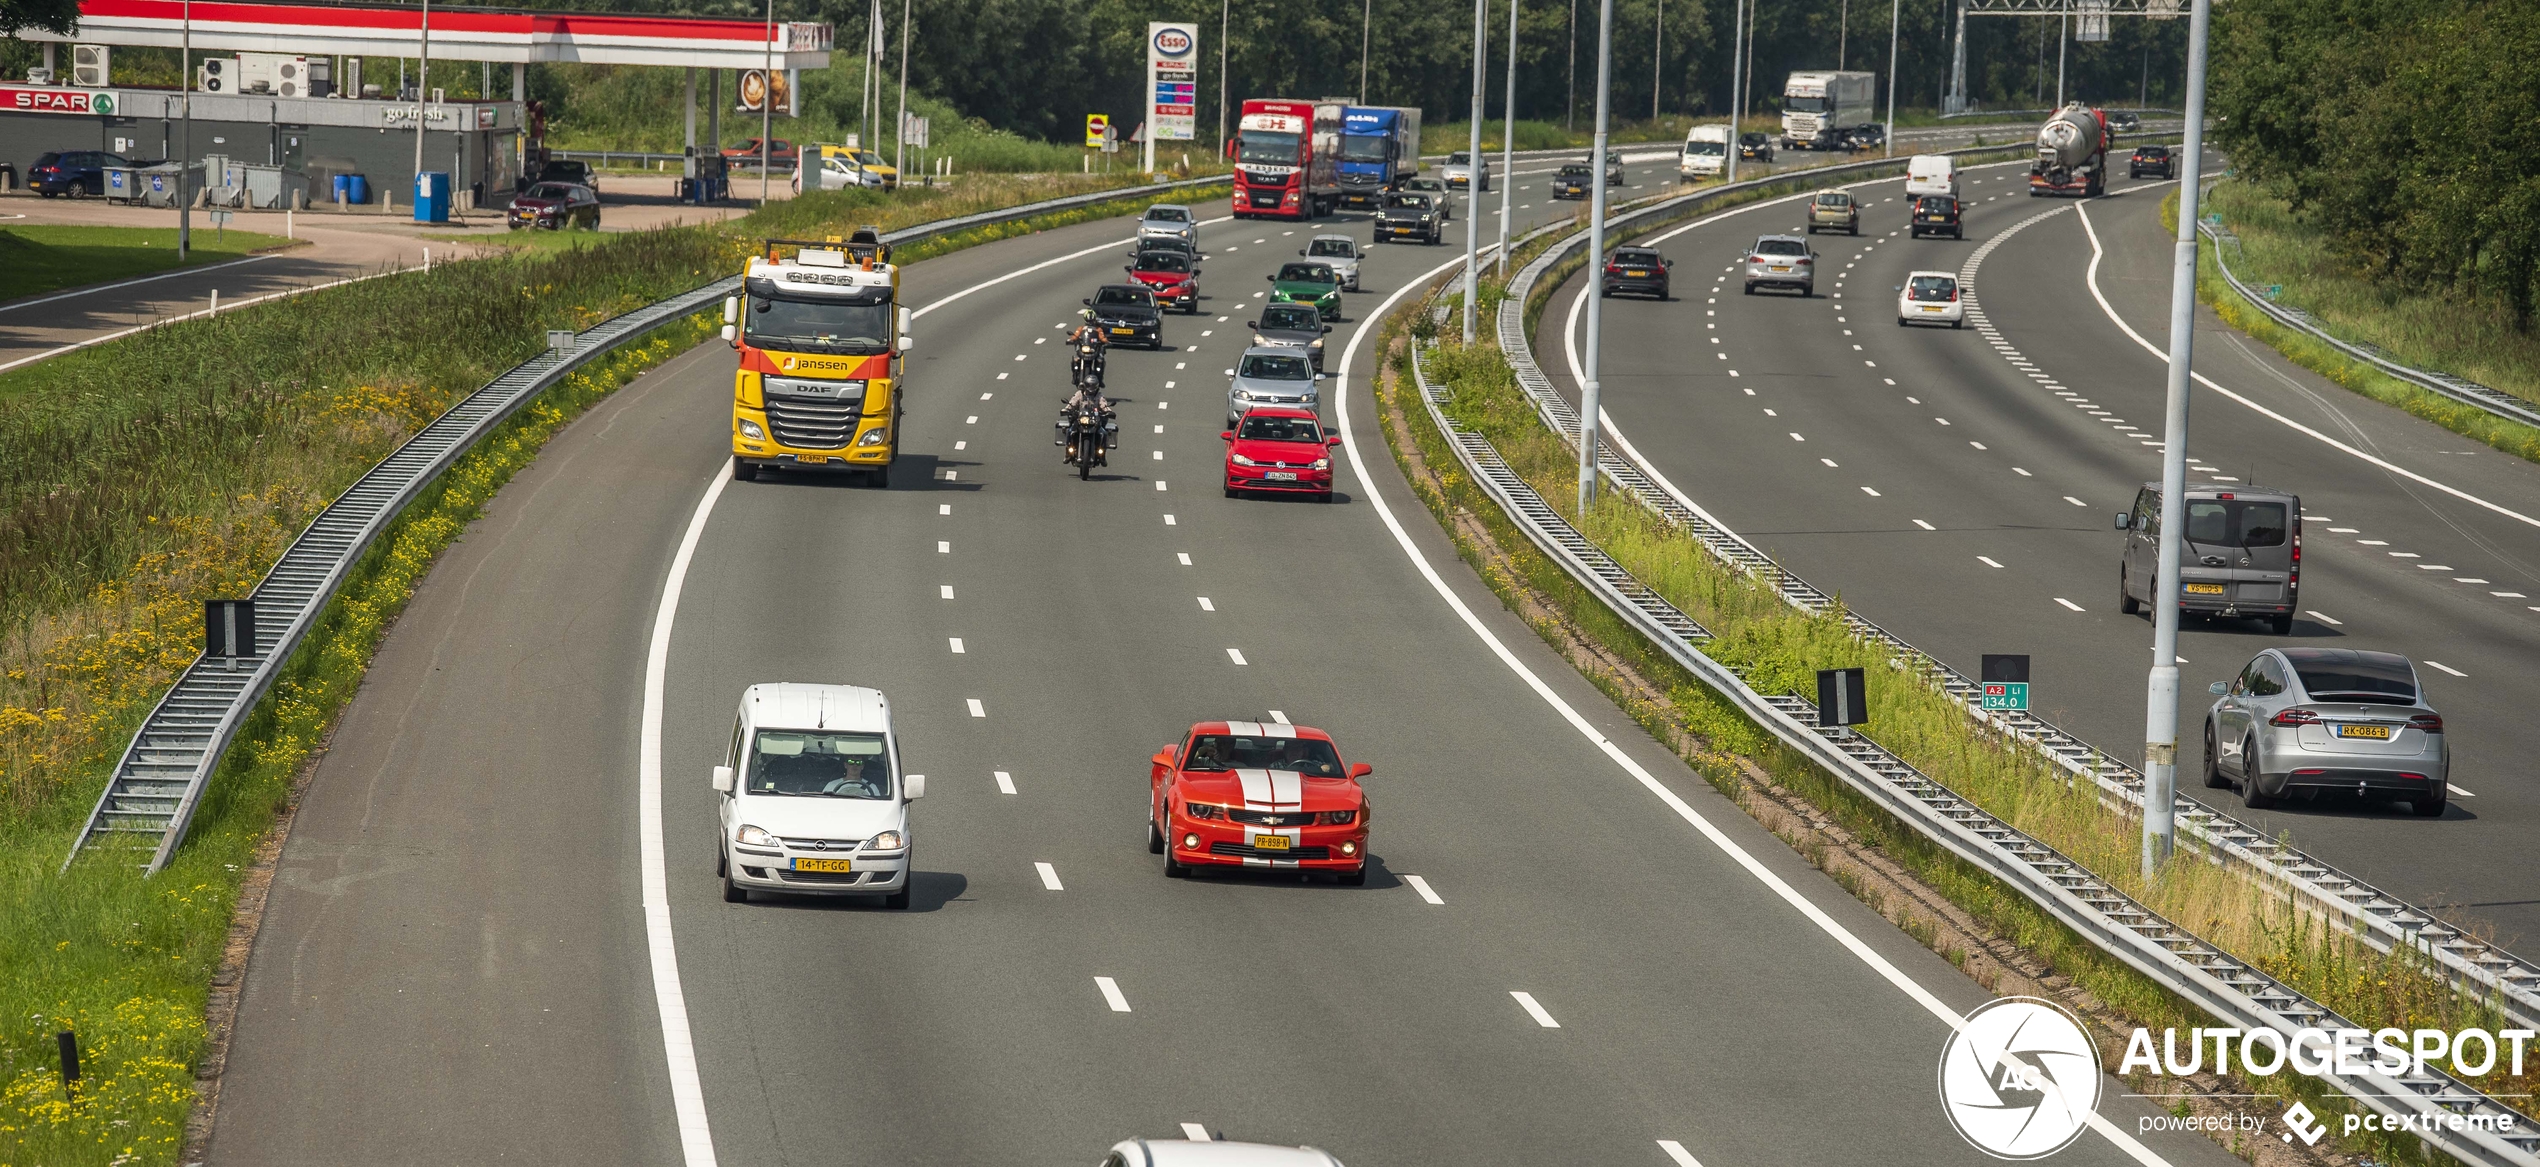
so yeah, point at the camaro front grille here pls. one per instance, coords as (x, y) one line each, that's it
(1271, 818)
(1240, 851)
(807, 424)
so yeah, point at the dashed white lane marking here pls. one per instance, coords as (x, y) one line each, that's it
(1870, 491)
(1945, 421)
(1168, 520)
(2509, 595)
(1000, 376)
(943, 508)
(1111, 988)
(1206, 606)
(1005, 782)
(1049, 876)
(2460, 792)
(1159, 484)
(1987, 560)
(1162, 404)
(2323, 617)
(1924, 525)
(1237, 655)
(943, 547)
(1829, 462)
(961, 445)
(1277, 716)
(973, 419)
(1040, 340)
(2447, 668)
(946, 590)
(976, 709)
(1978, 445)
(1422, 886)
(2373, 542)
(1195, 1132)
(1534, 1010)
(1159, 454)
(1184, 556)
(2022, 472)
(1159, 429)
(1677, 1154)
(2076, 502)
(1796, 438)
(956, 646)
(2068, 603)
(1019, 356)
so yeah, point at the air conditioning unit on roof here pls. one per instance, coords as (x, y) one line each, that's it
(88, 66)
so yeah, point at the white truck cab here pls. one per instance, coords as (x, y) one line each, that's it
(811, 800)
(1705, 153)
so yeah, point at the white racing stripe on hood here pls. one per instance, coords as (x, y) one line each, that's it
(1257, 788)
(1279, 729)
(1244, 728)
(1287, 788)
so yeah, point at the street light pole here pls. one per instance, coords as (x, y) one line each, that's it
(184, 171)
(1658, 59)
(423, 82)
(2160, 732)
(1225, 13)
(1591, 393)
(1366, 27)
(1508, 139)
(2063, 39)
(1895, 22)
(899, 143)
(1473, 172)
(1737, 30)
(767, 104)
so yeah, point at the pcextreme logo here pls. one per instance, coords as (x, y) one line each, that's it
(2020, 1078)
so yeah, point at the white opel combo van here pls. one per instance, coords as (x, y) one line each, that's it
(811, 797)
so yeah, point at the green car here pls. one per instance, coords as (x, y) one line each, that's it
(1308, 283)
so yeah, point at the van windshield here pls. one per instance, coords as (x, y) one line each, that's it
(808, 764)
(1705, 149)
(2235, 523)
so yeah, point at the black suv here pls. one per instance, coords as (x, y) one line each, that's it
(2152, 160)
(1937, 214)
(74, 172)
(1638, 270)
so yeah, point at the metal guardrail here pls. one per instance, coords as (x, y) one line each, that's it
(2198, 972)
(2379, 919)
(2461, 389)
(160, 779)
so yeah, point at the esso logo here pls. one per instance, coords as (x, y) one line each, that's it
(1173, 42)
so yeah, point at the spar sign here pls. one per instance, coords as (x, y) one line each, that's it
(74, 101)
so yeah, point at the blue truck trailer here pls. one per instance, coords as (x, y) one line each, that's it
(1380, 146)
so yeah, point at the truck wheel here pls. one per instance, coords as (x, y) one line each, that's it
(881, 477)
(743, 471)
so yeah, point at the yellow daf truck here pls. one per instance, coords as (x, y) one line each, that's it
(821, 336)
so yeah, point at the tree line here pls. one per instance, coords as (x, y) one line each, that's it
(2403, 129)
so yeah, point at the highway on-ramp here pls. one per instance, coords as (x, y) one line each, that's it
(1599, 955)
(1958, 488)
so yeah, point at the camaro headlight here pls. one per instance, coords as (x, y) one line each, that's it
(886, 841)
(750, 430)
(749, 836)
(1240, 460)
(1202, 810)
(875, 436)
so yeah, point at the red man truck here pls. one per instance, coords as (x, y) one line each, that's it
(1287, 159)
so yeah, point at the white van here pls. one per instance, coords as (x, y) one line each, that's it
(1706, 153)
(1931, 174)
(812, 798)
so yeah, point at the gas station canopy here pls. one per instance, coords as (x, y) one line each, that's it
(460, 34)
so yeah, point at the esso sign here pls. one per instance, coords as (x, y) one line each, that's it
(1173, 42)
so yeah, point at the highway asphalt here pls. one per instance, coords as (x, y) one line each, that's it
(1959, 489)
(453, 965)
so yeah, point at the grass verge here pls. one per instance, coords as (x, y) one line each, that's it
(2475, 341)
(1779, 650)
(45, 257)
(125, 962)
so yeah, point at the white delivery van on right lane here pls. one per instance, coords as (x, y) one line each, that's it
(1932, 174)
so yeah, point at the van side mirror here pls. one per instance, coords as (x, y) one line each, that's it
(907, 342)
(722, 779)
(732, 335)
(2219, 688)
(731, 309)
(912, 786)
(2125, 521)
(1271, 279)
(1360, 769)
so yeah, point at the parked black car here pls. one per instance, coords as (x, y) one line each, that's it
(73, 172)
(1641, 271)
(2152, 160)
(1127, 314)
(555, 206)
(1937, 214)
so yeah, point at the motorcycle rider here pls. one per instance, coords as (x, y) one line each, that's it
(1087, 335)
(1088, 392)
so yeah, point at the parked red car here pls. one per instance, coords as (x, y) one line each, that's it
(1259, 794)
(778, 150)
(1171, 276)
(1282, 449)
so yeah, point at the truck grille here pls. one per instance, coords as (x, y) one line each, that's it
(810, 424)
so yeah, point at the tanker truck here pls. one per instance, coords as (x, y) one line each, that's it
(2072, 154)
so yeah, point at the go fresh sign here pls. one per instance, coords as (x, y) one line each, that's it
(49, 100)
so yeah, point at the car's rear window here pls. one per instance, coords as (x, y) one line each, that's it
(1781, 247)
(1834, 198)
(1934, 204)
(551, 190)
(1931, 288)
(2337, 674)
(2153, 151)
(2235, 523)
(1221, 752)
(1281, 429)
(1650, 258)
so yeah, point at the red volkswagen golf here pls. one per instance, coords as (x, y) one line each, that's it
(1257, 794)
(1279, 448)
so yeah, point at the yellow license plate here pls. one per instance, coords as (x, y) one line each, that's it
(823, 865)
(2203, 589)
(2375, 732)
(1123, 331)
(1635, 274)
(1778, 267)
(811, 459)
(1929, 308)
(1269, 842)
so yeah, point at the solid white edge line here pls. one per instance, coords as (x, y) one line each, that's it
(1111, 993)
(1422, 886)
(2091, 277)
(165, 275)
(687, 1093)
(121, 333)
(2133, 1147)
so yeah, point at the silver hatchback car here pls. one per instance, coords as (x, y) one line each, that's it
(1170, 220)
(1781, 261)
(1340, 251)
(1272, 375)
(1460, 171)
(2323, 720)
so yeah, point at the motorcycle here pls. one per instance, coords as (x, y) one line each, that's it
(1087, 366)
(1088, 432)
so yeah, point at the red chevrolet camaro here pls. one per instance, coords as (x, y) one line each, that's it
(1257, 794)
(1171, 275)
(1279, 448)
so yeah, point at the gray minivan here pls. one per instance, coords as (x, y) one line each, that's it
(2243, 554)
